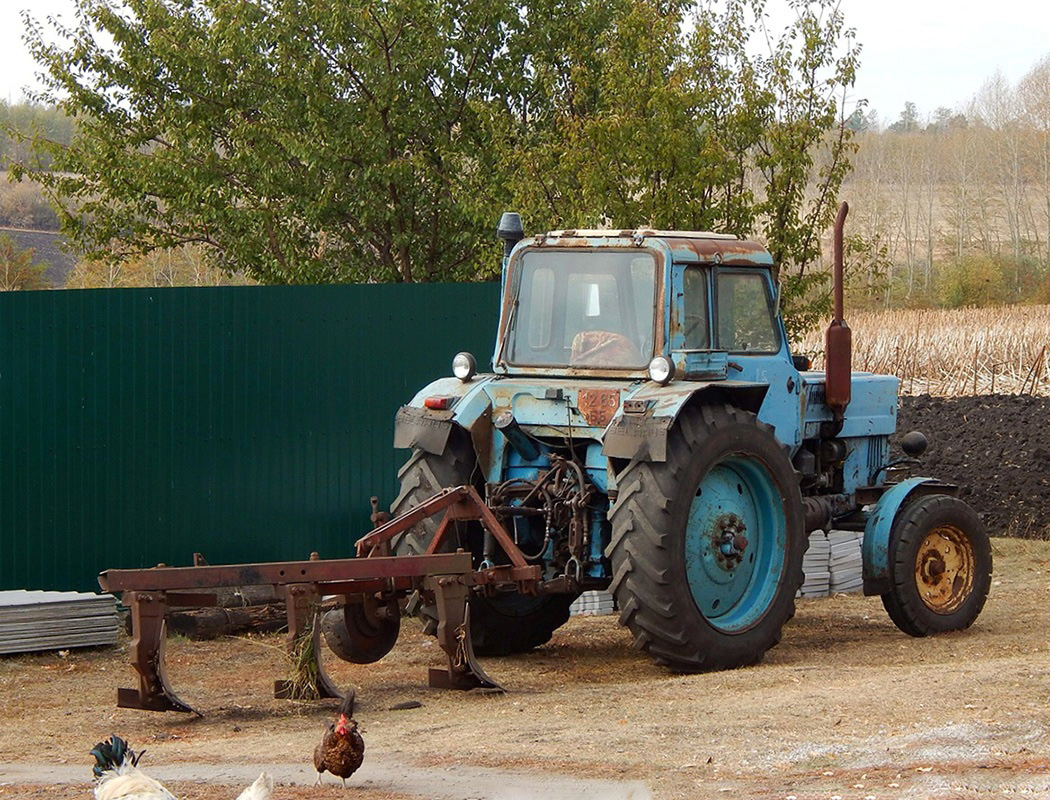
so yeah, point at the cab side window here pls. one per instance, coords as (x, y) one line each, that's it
(745, 313)
(694, 309)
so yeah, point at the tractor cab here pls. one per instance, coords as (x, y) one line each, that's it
(606, 304)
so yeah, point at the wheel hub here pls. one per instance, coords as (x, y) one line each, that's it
(730, 541)
(735, 541)
(944, 569)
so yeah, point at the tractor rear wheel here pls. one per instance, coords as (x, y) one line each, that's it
(707, 546)
(940, 566)
(516, 623)
(499, 625)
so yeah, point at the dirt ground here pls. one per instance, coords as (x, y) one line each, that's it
(996, 448)
(845, 707)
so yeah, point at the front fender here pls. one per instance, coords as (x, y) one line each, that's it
(879, 529)
(639, 429)
(416, 426)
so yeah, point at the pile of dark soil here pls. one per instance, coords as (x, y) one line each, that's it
(996, 447)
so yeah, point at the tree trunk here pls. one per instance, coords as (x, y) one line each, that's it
(211, 623)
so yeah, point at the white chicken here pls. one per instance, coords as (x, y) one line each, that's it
(260, 790)
(119, 778)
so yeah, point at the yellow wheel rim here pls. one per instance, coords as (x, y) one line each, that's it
(944, 569)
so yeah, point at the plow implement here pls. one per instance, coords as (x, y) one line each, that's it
(371, 591)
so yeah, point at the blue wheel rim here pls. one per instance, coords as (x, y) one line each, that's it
(735, 544)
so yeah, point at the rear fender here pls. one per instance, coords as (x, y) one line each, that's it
(639, 429)
(879, 529)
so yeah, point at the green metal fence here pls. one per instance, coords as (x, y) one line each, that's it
(138, 426)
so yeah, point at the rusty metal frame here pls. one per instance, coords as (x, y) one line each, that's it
(447, 577)
(460, 503)
(279, 573)
(149, 593)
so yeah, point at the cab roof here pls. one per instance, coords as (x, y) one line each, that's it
(686, 246)
(627, 234)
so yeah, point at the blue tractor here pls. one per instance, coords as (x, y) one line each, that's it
(645, 428)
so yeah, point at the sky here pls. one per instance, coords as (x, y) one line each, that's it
(930, 52)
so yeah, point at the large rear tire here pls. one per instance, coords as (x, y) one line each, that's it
(500, 625)
(707, 546)
(516, 623)
(940, 566)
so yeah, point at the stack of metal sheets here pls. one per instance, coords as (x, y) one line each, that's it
(593, 603)
(846, 562)
(31, 621)
(815, 566)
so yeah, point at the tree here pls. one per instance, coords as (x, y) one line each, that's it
(182, 266)
(20, 123)
(17, 270)
(301, 141)
(859, 122)
(297, 140)
(908, 120)
(1034, 91)
(641, 124)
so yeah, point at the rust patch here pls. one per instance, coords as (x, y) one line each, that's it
(598, 406)
(735, 252)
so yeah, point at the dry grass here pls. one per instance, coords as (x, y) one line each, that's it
(952, 352)
(845, 699)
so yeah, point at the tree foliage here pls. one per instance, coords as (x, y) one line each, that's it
(178, 266)
(301, 141)
(18, 270)
(22, 123)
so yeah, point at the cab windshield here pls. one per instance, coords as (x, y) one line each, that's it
(584, 308)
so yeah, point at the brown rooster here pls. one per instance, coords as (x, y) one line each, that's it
(342, 749)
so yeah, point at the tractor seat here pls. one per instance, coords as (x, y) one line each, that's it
(604, 349)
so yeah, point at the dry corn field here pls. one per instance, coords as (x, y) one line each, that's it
(952, 352)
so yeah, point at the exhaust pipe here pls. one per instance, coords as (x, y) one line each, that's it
(838, 342)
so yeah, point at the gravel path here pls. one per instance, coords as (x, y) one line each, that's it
(437, 783)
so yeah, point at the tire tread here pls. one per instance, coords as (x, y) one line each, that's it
(641, 542)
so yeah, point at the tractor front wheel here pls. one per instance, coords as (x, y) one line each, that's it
(940, 566)
(499, 625)
(707, 546)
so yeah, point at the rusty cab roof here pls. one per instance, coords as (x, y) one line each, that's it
(689, 247)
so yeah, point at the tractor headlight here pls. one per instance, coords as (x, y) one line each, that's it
(661, 370)
(464, 366)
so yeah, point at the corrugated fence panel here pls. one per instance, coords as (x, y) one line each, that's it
(139, 426)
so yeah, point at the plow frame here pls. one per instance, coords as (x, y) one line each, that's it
(446, 577)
